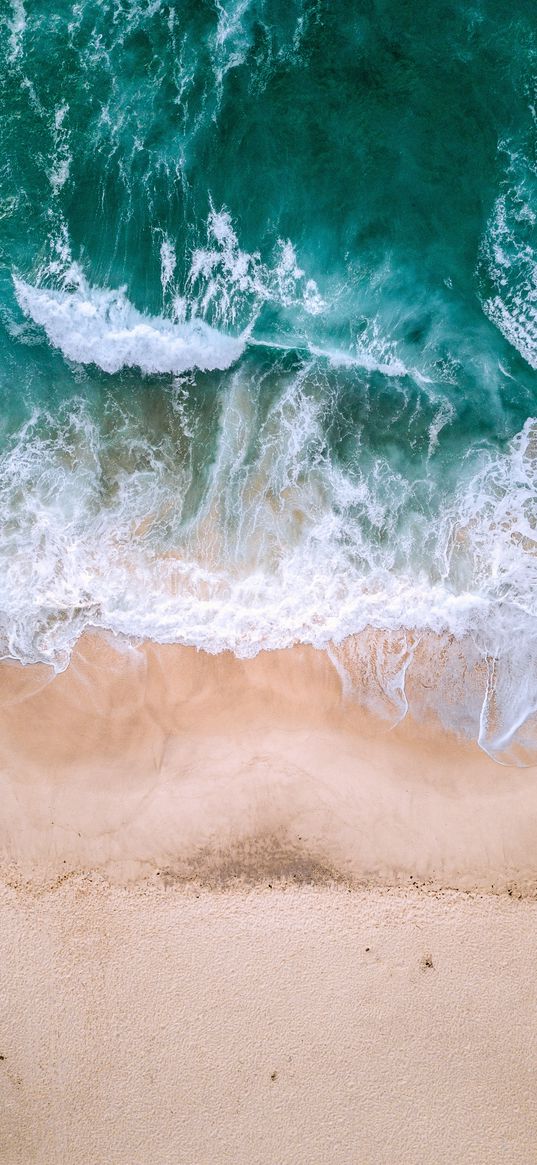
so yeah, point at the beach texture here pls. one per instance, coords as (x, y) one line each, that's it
(243, 921)
(247, 1028)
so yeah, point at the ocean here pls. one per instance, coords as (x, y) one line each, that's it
(268, 340)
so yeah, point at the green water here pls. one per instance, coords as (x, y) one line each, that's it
(268, 332)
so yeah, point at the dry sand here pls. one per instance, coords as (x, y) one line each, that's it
(311, 1027)
(196, 852)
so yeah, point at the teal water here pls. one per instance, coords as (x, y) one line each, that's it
(268, 334)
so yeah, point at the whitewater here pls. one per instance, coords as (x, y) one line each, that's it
(268, 344)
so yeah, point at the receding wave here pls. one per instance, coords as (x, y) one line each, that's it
(282, 546)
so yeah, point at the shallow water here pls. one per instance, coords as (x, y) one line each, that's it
(268, 336)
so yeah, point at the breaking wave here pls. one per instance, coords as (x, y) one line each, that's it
(282, 545)
(92, 326)
(293, 280)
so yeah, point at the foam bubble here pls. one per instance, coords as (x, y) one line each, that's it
(231, 39)
(61, 165)
(363, 357)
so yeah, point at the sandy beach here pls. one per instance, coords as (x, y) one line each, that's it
(291, 1026)
(243, 920)
(146, 762)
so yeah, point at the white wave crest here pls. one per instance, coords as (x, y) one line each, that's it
(93, 326)
(509, 259)
(224, 285)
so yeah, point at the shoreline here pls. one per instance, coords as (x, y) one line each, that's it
(143, 758)
(244, 921)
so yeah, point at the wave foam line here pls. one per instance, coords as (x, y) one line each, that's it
(508, 258)
(93, 326)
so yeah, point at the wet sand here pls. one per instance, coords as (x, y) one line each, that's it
(150, 760)
(242, 920)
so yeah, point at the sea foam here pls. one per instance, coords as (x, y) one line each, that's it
(206, 323)
(283, 547)
(94, 326)
(508, 258)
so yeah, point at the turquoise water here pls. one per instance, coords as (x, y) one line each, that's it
(268, 334)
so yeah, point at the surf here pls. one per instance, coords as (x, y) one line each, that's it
(267, 370)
